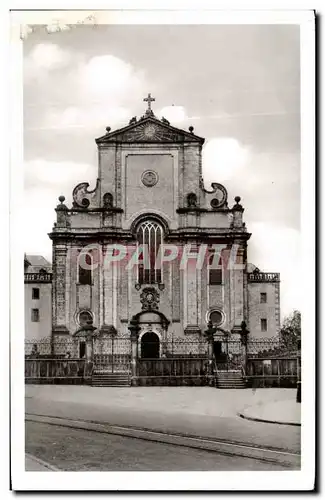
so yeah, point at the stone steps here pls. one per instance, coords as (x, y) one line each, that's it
(230, 380)
(110, 380)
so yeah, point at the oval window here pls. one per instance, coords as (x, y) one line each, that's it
(216, 317)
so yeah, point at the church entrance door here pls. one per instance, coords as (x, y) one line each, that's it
(150, 346)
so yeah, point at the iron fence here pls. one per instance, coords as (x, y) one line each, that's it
(112, 354)
(260, 359)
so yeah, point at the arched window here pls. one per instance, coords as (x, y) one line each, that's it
(150, 235)
(85, 269)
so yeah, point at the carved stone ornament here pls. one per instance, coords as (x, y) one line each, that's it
(149, 178)
(220, 195)
(149, 129)
(149, 299)
(81, 196)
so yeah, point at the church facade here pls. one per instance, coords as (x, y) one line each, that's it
(150, 244)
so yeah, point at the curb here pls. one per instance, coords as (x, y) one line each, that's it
(278, 422)
(41, 462)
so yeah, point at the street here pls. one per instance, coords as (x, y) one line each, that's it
(80, 450)
(115, 429)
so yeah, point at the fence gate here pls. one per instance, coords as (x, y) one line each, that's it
(112, 355)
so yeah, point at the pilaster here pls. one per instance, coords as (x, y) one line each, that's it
(59, 305)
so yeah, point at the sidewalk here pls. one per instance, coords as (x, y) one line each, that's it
(205, 401)
(37, 465)
(277, 412)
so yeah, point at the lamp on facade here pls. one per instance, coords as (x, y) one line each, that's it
(210, 331)
(243, 333)
(134, 328)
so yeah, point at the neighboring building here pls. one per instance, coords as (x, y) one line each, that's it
(38, 298)
(150, 190)
(263, 306)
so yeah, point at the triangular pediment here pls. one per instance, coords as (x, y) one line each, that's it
(149, 129)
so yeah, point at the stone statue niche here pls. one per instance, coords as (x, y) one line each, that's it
(108, 200)
(192, 200)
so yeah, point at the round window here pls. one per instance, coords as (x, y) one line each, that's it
(216, 317)
(85, 318)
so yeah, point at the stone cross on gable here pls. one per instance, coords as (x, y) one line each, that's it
(149, 100)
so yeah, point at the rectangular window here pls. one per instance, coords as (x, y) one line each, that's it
(82, 349)
(264, 325)
(35, 293)
(84, 271)
(215, 275)
(263, 298)
(35, 315)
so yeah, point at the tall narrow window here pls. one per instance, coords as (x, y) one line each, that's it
(263, 298)
(35, 315)
(215, 274)
(264, 325)
(84, 269)
(149, 235)
(35, 293)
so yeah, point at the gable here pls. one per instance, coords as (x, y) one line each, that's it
(149, 129)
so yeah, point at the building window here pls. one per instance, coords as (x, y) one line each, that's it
(264, 325)
(35, 293)
(84, 269)
(215, 275)
(263, 299)
(35, 315)
(216, 317)
(82, 349)
(85, 318)
(150, 235)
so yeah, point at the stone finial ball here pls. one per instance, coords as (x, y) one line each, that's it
(61, 198)
(108, 129)
(191, 129)
(237, 199)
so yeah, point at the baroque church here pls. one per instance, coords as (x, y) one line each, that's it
(150, 193)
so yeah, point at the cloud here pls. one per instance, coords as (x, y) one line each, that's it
(45, 181)
(64, 175)
(175, 114)
(102, 90)
(44, 58)
(276, 248)
(223, 158)
(93, 117)
(107, 76)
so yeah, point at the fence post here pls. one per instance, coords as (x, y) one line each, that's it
(112, 354)
(134, 333)
(209, 332)
(243, 338)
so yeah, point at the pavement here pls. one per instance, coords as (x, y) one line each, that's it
(193, 411)
(205, 401)
(34, 464)
(275, 412)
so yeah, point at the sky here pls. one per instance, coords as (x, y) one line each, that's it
(237, 85)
